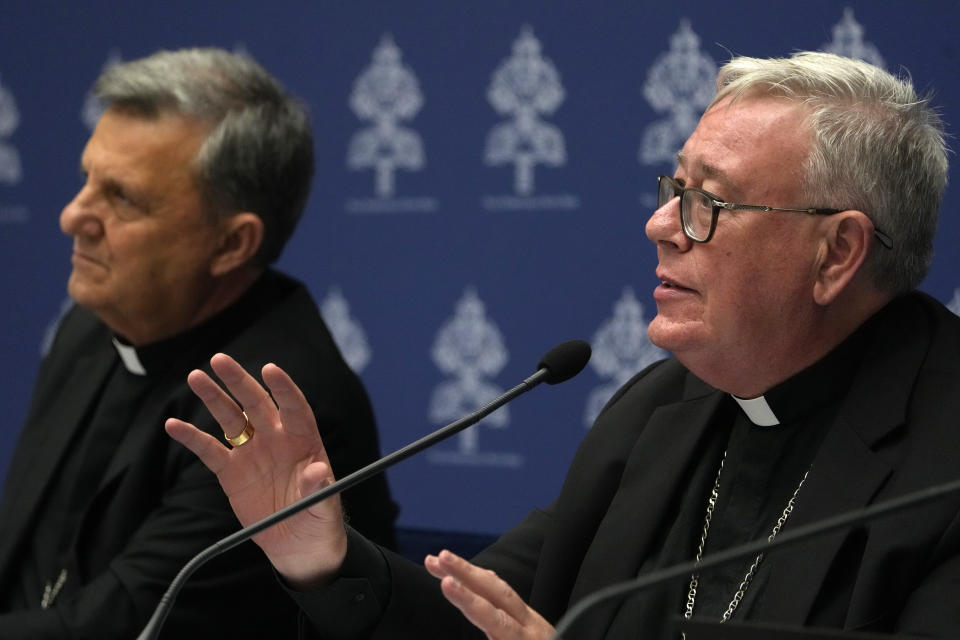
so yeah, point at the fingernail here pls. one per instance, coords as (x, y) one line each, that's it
(449, 555)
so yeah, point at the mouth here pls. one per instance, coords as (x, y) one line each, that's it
(669, 285)
(82, 258)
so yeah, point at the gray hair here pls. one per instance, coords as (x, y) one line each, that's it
(877, 148)
(258, 156)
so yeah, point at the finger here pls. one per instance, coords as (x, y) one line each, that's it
(210, 451)
(253, 398)
(485, 583)
(494, 622)
(434, 567)
(220, 405)
(315, 476)
(295, 412)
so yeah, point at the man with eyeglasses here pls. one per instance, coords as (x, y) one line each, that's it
(809, 378)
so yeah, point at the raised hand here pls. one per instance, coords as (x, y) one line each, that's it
(284, 460)
(486, 600)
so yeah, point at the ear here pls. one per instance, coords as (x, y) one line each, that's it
(241, 237)
(847, 243)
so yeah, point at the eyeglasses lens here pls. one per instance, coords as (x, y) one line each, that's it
(666, 191)
(697, 214)
(696, 209)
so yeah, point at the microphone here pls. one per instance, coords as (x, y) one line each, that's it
(564, 361)
(561, 363)
(751, 549)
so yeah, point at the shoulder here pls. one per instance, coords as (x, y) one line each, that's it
(920, 339)
(76, 335)
(289, 331)
(627, 414)
(904, 398)
(944, 326)
(76, 328)
(285, 329)
(663, 382)
(936, 388)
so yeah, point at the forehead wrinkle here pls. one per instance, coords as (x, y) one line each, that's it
(708, 171)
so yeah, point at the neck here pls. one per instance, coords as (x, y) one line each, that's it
(760, 369)
(197, 305)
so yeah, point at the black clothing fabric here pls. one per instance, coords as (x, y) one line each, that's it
(874, 420)
(99, 499)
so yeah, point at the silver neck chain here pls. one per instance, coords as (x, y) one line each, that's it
(745, 583)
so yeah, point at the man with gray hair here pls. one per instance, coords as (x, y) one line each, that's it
(809, 378)
(196, 176)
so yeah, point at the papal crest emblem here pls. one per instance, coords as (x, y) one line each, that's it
(848, 41)
(470, 350)
(621, 348)
(11, 171)
(525, 88)
(386, 94)
(680, 84)
(346, 331)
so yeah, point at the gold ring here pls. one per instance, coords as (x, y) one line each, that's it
(245, 435)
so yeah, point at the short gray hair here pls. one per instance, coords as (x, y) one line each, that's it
(258, 156)
(877, 148)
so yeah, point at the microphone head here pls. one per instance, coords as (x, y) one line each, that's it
(564, 361)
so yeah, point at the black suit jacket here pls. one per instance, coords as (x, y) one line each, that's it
(156, 505)
(897, 431)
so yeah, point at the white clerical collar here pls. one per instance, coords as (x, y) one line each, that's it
(758, 411)
(131, 360)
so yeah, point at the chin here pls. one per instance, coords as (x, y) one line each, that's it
(78, 290)
(675, 336)
(85, 295)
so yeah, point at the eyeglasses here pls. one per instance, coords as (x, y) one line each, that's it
(699, 210)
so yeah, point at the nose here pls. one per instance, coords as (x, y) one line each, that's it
(80, 217)
(663, 227)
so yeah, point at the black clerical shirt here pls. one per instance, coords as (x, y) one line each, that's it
(762, 468)
(45, 574)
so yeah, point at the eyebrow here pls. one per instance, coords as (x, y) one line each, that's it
(711, 171)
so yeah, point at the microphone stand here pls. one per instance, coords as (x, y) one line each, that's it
(751, 549)
(155, 623)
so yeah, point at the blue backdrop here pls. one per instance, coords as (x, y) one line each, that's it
(485, 170)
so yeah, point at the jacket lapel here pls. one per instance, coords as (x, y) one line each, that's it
(44, 444)
(145, 430)
(847, 472)
(844, 476)
(654, 477)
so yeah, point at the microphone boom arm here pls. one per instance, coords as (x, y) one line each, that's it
(751, 549)
(155, 623)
